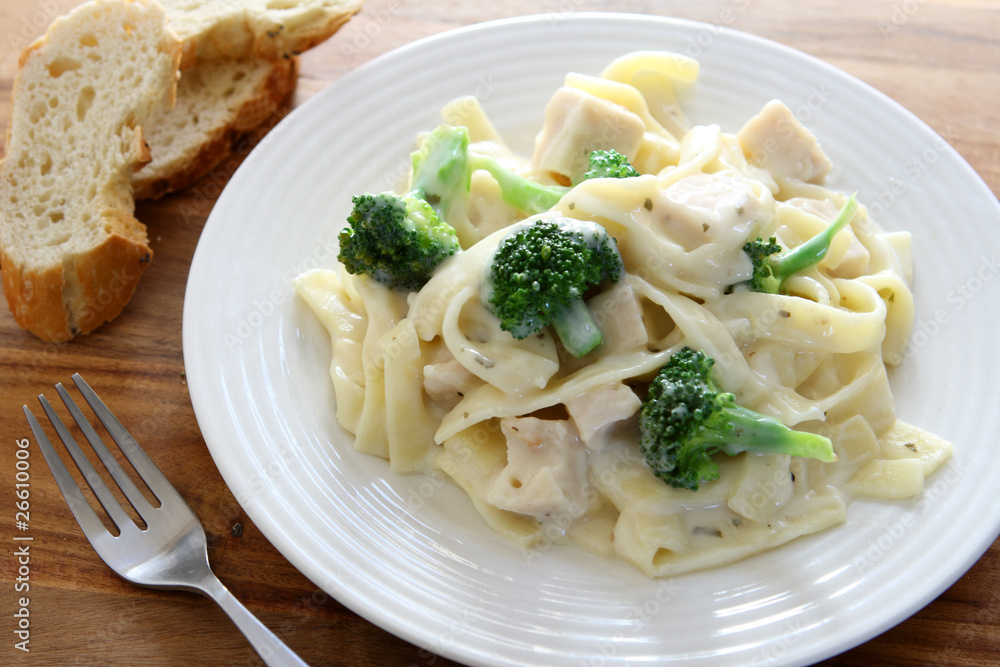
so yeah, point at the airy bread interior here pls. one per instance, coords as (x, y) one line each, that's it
(218, 102)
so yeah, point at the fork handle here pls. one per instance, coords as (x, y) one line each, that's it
(272, 650)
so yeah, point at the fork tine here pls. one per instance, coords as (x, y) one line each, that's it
(97, 485)
(84, 513)
(121, 478)
(150, 473)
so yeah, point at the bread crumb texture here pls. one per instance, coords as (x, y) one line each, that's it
(219, 102)
(71, 251)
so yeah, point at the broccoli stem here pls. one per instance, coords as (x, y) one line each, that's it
(749, 431)
(577, 329)
(441, 168)
(518, 191)
(814, 250)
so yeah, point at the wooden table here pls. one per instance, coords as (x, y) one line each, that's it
(940, 59)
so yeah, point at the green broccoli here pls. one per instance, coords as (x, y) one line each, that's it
(686, 417)
(771, 266)
(400, 239)
(539, 274)
(609, 164)
(532, 197)
(518, 192)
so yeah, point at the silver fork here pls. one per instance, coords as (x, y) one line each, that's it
(171, 551)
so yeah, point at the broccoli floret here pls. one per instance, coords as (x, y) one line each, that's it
(609, 164)
(539, 274)
(400, 239)
(686, 417)
(771, 266)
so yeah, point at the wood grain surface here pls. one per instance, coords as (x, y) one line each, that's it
(940, 59)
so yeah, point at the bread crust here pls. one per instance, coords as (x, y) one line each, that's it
(35, 299)
(241, 31)
(107, 275)
(105, 278)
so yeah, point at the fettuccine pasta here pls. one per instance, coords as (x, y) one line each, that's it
(545, 444)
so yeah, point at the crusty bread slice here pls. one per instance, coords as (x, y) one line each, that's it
(218, 102)
(269, 29)
(71, 251)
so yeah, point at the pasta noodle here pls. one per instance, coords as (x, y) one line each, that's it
(545, 444)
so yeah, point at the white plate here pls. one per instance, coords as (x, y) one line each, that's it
(410, 553)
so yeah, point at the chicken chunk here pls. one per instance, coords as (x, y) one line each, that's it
(619, 314)
(775, 140)
(448, 381)
(577, 123)
(711, 208)
(595, 410)
(546, 469)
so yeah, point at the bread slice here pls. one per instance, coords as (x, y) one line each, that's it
(218, 102)
(268, 29)
(71, 251)
(238, 67)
